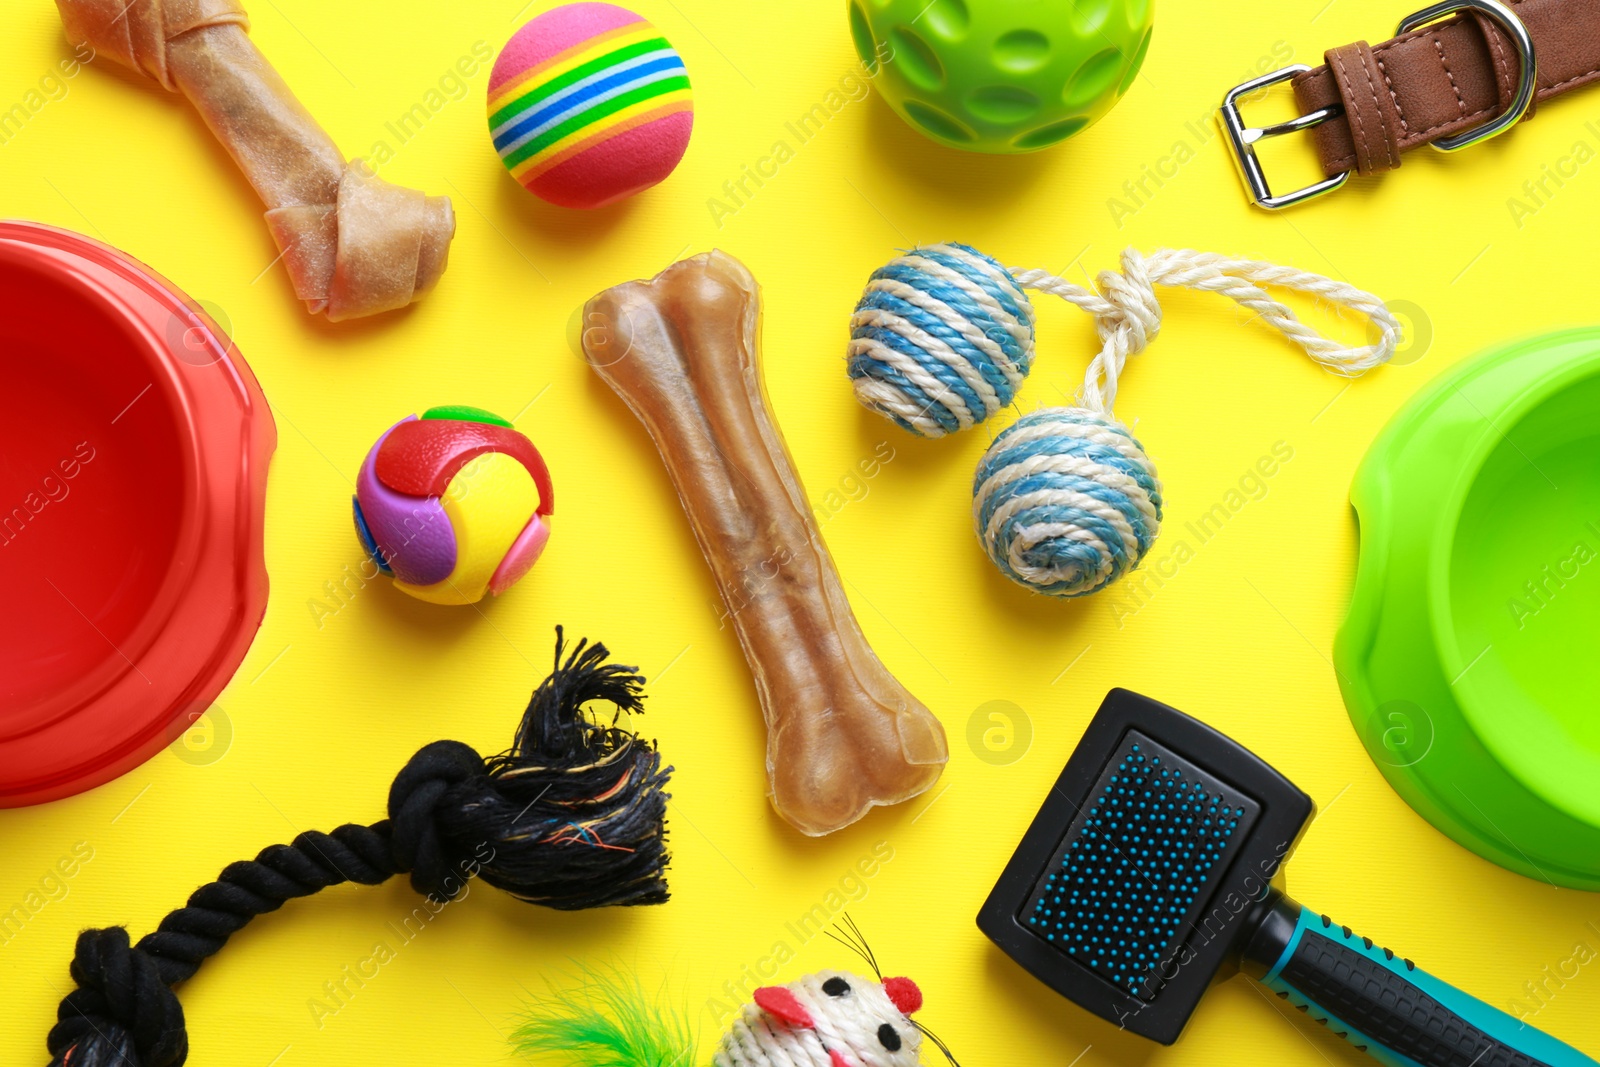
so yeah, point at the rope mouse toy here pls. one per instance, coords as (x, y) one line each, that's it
(1065, 500)
(571, 816)
(827, 1019)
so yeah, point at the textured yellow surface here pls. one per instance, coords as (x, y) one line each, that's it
(345, 680)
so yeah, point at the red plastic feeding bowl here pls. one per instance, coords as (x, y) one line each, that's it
(134, 444)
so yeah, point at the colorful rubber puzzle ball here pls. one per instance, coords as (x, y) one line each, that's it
(454, 505)
(588, 105)
(1001, 76)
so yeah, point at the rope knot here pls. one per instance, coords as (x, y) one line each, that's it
(420, 846)
(1128, 315)
(1131, 317)
(123, 1011)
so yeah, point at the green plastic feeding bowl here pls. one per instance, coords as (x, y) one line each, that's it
(1470, 660)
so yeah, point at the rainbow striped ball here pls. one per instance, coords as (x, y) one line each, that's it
(589, 104)
(453, 505)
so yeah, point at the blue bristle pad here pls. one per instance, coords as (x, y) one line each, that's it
(1129, 881)
(941, 339)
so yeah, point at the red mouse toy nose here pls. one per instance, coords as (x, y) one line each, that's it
(905, 994)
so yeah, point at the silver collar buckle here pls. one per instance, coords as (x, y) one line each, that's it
(1242, 139)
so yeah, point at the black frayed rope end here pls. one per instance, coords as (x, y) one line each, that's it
(571, 816)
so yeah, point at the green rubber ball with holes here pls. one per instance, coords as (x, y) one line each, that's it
(1001, 75)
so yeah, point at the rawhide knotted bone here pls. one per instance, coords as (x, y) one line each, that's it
(353, 243)
(842, 734)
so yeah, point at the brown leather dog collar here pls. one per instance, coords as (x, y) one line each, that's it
(1448, 84)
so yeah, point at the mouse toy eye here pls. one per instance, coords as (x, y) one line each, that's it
(836, 987)
(889, 1038)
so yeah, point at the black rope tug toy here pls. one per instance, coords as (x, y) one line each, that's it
(572, 816)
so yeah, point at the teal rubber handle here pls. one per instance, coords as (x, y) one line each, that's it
(1397, 1013)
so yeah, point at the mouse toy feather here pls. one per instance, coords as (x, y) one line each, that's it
(828, 1019)
(605, 1021)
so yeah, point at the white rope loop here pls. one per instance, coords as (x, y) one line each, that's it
(1127, 311)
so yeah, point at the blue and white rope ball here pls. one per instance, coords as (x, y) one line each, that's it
(1066, 501)
(941, 340)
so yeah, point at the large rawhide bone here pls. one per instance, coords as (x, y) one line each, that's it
(353, 243)
(842, 734)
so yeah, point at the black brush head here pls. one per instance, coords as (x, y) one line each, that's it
(1137, 881)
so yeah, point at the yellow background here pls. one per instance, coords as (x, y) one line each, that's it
(329, 704)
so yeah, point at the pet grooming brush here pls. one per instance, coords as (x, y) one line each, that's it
(1149, 872)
